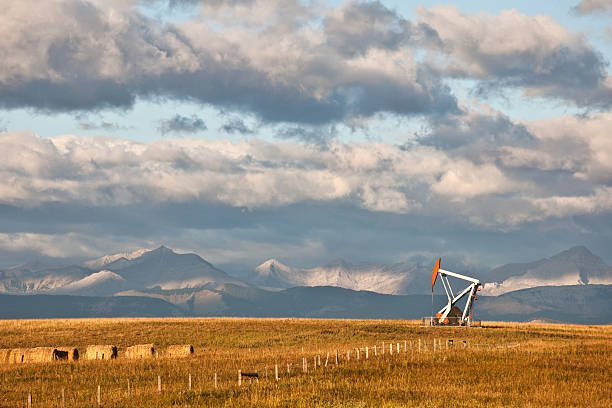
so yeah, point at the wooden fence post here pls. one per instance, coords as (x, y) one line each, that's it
(405, 346)
(383, 348)
(391, 348)
(326, 359)
(63, 398)
(215, 380)
(99, 397)
(357, 350)
(239, 378)
(30, 400)
(348, 355)
(288, 369)
(129, 392)
(276, 372)
(367, 353)
(398, 348)
(189, 381)
(419, 345)
(375, 353)
(158, 383)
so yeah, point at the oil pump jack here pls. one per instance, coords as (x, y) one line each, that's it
(451, 314)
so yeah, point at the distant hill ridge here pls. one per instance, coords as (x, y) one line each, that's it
(167, 269)
(575, 266)
(160, 267)
(581, 304)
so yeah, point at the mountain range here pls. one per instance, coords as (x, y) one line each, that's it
(576, 266)
(186, 284)
(394, 279)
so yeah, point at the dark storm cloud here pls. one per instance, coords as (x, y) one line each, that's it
(179, 124)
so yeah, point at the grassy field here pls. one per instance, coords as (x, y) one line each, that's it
(501, 364)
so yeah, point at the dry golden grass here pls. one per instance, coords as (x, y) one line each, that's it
(506, 364)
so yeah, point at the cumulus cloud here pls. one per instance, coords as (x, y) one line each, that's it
(593, 6)
(580, 145)
(179, 124)
(521, 180)
(286, 61)
(106, 54)
(512, 49)
(360, 26)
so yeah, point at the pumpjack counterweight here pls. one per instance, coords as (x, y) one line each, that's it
(451, 314)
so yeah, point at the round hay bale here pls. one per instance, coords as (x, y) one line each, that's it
(138, 351)
(73, 353)
(101, 352)
(34, 355)
(179, 350)
(17, 356)
(4, 356)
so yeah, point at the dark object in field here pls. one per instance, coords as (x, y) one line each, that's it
(72, 352)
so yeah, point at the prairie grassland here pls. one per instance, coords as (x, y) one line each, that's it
(503, 364)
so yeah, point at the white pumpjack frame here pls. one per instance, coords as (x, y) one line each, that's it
(472, 288)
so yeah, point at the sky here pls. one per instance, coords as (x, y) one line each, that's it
(307, 131)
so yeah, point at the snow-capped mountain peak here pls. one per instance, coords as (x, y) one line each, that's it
(101, 262)
(575, 266)
(272, 266)
(393, 279)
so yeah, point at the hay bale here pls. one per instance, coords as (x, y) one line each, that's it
(73, 353)
(4, 356)
(17, 356)
(179, 350)
(41, 355)
(101, 352)
(140, 351)
(36, 355)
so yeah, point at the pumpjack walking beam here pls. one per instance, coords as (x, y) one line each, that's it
(470, 290)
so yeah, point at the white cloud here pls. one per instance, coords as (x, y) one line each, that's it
(581, 145)
(534, 53)
(273, 59)
(53, 245)
(565, 206)
(375, 176)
